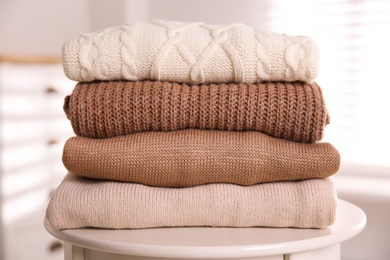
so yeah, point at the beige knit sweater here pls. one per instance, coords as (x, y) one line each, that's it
(193, 157)
(292, 111)
(81, 202)
(190, 53)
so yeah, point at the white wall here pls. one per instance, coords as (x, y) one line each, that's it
(250, 12)
(105, 13)
(42, 26)
(372, 195)
(373, 242)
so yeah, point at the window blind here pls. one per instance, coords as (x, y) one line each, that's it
(354, 40)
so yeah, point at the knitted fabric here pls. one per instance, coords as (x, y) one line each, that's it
(291, 111)
(82, 202)
(193, 157)
(190, 53)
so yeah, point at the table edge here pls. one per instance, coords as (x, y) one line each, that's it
(199, 252)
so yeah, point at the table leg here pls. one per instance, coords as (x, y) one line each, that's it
(73, 252)
(327, 253)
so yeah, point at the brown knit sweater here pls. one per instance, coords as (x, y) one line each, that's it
(291, 111)
(193, 157)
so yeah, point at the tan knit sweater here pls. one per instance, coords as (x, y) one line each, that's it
(81, 202)
(291, 111)
(193, 157)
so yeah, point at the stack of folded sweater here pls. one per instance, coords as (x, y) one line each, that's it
(189, 124)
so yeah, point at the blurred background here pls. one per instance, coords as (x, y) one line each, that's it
(354, 39)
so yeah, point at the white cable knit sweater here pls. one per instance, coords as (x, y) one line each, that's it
(190, 53)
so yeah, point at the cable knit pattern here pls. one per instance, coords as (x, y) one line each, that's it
(194, 157)
(292, 111)
(82, 202)
(192, 53)
(127, 38)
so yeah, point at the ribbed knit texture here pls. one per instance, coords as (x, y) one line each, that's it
(194, 157)
(291, 111)
(190, 53)
(81, 202)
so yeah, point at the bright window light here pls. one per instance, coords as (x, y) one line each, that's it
(354, 40)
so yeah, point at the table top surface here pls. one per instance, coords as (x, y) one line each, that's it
(204, 242)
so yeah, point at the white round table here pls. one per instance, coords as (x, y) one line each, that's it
(214, 243)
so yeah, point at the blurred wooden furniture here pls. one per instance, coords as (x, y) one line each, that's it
(33, 128)
(214, 243)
